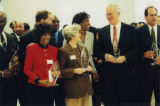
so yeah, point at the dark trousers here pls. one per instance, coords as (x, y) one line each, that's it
(40, 96)
(149, 82)
(8, 94)
(59, 97)
(116, 84)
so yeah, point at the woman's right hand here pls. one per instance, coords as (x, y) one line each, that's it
(46, 83)
(79, 70)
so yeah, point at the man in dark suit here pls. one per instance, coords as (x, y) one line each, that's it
(148, 59)
(56, 35)
(118, 50)
(7, 76)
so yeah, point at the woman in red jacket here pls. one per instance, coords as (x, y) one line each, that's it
(40, 57)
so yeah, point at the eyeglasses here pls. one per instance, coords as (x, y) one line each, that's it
(55, 21)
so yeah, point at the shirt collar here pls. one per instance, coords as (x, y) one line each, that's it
(150, 27)
(43, 46)
(117, 26)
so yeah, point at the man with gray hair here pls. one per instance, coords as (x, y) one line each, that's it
(7, 76)
(117, 48)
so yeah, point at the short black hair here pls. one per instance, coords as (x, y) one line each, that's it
(26, 26)
(43, 14)
(42, 29)
(146, 10)
(80, 17)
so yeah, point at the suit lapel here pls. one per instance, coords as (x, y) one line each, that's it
(107, 39)
(158, 36)
(122, 35)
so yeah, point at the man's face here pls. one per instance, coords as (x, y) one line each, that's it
(152, 16)
(85, 24)
(112, 16)
(48, 19)
(18, 28)
(158, 20)
(55, 22)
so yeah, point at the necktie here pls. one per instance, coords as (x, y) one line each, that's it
(4, 43)
(154, 42)
(115, 42)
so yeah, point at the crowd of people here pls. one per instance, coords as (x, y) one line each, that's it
(117, 65)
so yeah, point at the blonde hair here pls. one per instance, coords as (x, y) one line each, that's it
(70, 31)
(113, 6)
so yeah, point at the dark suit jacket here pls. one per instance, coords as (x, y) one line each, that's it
(145, 44)
(75, 85)
(5, 56)
(60, 38)
(127, 45)
(29, 37)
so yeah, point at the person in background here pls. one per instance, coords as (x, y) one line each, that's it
(40, 91)
(26, 27)
(56, 35)
(75, 68)
(18, 29)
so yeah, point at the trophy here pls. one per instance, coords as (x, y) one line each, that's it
(52, 73)
(156, 53)
(85, 60)
(13, 62)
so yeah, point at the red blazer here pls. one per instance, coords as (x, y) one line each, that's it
(36, 62)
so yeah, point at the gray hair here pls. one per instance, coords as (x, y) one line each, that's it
(70, 31)
(113, 6)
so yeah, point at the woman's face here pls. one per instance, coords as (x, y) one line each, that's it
(44, 40)
(76, 38)
(85, 24)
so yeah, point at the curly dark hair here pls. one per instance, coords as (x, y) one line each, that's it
(80, 17)
(42, 29)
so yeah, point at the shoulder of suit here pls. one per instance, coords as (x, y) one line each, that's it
(28, 34)
(104, 28)
(144, 27)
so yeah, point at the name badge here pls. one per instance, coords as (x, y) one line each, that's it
(49, 61)
(73, 57)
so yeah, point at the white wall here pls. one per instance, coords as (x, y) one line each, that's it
(25, 10)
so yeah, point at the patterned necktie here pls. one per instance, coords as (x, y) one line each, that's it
(115, 42)
(154, 42)
(4, 43)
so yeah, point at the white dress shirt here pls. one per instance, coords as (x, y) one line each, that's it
(155, 31)
(118, 29)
